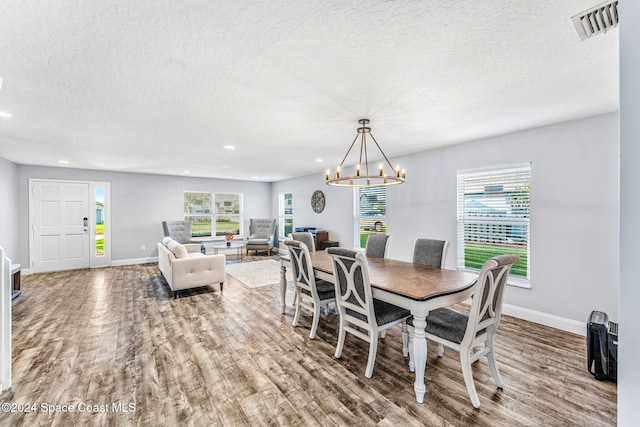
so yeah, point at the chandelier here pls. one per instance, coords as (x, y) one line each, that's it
(363, 177)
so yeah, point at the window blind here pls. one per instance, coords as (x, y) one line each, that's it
(493, 217)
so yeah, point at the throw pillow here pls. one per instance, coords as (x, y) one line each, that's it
(166, 241)
(178, 250)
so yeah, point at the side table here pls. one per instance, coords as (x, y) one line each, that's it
(239, 247)
(15, 280)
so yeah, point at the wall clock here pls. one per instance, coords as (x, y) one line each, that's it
(317, 201)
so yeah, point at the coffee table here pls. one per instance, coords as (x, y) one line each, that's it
(238, 246)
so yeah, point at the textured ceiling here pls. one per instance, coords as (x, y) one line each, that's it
(161, 86)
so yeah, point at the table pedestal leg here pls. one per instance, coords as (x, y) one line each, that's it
(419, 350)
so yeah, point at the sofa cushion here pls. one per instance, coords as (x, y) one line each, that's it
(178, 250)
(256, 242)
(166, 240)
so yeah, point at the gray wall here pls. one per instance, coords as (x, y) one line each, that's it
(629, 351)
(140, 202)
(8, 211)
(574, 210)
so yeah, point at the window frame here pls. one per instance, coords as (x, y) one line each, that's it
(213, 215)
(498, 226)
(283, 216)
(360, 216)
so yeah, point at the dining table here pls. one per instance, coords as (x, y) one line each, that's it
(416, 287)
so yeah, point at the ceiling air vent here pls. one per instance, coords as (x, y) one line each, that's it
(596, 20)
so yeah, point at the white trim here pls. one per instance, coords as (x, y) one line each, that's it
(134, 261)
(551, 320)
(497, 167)
(25, 271)
(5, 321)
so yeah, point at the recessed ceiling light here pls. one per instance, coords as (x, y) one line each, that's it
(229, 147)
(64, 162)
(4, 114)
(319, 160)
(255, 177)
(187, 172)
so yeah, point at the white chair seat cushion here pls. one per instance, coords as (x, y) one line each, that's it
(258, 242)
(195, 255)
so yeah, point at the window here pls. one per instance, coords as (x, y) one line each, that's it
(285, 212)
(98, 196)
(493, 217)
(370, 213)
(222, 209)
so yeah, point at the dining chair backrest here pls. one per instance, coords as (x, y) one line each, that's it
(486, 306)
(377, 245)
(304, 237)
(303, 276)
(353, 289)
(430, 252)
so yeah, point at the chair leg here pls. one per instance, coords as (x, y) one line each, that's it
(314, 323)
(405, 340)
(341, 337)
(373, 348)
(493, 363)
(465, 362)
(221, 286)
(175, 294)
(296, 318)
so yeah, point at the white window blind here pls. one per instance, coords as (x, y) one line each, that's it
(493, 217)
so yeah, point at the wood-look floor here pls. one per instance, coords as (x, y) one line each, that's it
(117, 336)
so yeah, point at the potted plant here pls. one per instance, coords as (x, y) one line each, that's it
(228, 237)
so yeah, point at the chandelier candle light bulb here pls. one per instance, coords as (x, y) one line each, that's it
(365, 179)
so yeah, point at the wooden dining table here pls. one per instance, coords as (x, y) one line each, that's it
(413, 286)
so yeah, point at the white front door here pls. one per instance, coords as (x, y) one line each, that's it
(60, 226)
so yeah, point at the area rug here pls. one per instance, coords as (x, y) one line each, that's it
(257, 273)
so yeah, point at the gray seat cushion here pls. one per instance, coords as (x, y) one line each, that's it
(326, 290)
(445, 323)
(385, 313)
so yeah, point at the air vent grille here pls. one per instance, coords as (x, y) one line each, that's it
(596, 20)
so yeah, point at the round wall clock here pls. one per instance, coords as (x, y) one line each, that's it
(317, 201)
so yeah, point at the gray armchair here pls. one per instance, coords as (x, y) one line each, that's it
(180, 231)
(262, 235)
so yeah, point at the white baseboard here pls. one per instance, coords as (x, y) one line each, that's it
(551, 320)
(133, 261)
(25, 271)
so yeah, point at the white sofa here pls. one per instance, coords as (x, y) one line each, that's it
(185, 267)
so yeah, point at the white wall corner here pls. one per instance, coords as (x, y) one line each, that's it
(551, 320)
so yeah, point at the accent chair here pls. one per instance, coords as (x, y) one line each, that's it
(263, 234)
